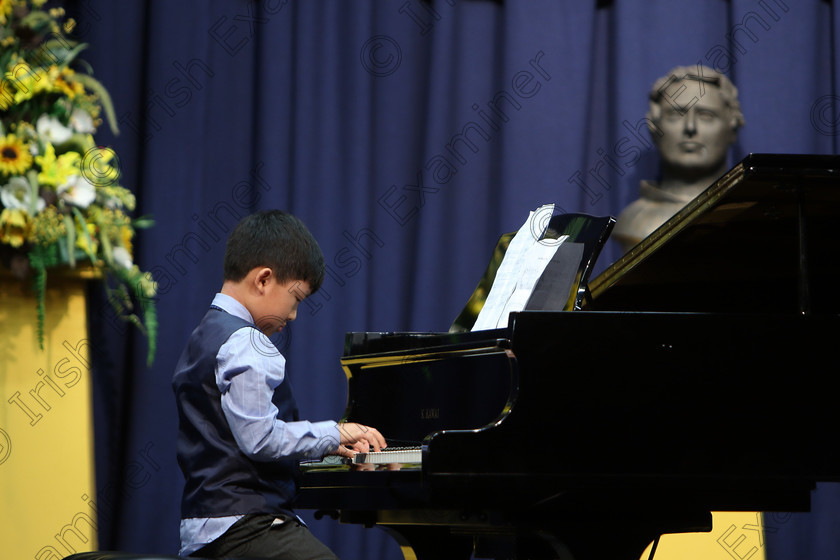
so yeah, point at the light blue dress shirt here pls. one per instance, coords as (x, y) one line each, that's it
(246, 375)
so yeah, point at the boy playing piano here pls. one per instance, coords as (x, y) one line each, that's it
(239, 438)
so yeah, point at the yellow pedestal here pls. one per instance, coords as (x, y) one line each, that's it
(47, 486)
(734, 535)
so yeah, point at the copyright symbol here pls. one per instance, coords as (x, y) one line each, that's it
(538, 223)
(101, 166)
(274, 345)
(5, 446)
(381, 55)
(825, 115)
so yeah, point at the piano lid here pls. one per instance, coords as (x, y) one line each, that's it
(762, 238)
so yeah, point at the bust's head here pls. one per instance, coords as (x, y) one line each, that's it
(695, 118)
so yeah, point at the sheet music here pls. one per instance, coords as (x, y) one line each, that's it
(524, 262)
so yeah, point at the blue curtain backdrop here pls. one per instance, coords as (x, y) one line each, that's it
(408, 135)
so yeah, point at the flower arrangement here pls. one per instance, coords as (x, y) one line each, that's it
(60, 201)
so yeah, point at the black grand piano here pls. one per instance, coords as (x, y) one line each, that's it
(694, 378)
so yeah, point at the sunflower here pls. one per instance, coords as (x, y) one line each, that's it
(15, 158)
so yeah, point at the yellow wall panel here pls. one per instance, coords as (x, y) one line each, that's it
(735, 535)
(47, 485)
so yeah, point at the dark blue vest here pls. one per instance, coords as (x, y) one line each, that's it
(220, 479)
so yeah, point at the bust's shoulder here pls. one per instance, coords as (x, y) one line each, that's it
(653, 208)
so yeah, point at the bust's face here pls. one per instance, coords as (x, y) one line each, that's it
(696, 126)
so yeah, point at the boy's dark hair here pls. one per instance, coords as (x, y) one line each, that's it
(279, 241)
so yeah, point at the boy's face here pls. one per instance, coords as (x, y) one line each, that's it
(278, 304)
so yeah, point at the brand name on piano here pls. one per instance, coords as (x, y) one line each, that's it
(429, 413)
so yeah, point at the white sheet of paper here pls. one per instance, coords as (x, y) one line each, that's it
(521, 268)
(533, 266)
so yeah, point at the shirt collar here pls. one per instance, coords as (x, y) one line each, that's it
(232, 306)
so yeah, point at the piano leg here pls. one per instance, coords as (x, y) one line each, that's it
(531, 547)
(610, 543)
(438, 543)
(430, 543)
(617, 537)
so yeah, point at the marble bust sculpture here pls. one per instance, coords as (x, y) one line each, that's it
(693, 117)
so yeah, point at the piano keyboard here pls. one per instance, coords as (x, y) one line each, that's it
(393, 455)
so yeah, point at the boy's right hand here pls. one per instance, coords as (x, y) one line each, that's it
(358, 438)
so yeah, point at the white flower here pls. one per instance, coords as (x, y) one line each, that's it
(18, 194)
(122, 257)
(77, 191)
(52, 130)
(81, 121)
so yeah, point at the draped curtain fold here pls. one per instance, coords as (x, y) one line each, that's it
(408, 135)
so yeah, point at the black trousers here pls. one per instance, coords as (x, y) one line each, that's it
(265, 536)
